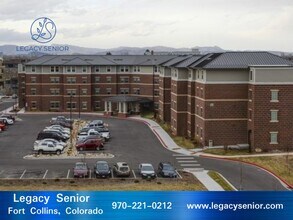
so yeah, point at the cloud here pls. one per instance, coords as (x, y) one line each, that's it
(12, 36)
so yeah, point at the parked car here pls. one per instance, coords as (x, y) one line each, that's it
(2, 126)
(121, 169)
(50, 140)
(146, 170)
(8, 116)
(6, 121)
(81, 170)
(62, 123)
(102, 169)
(91, 137)
(60, 127)
(14, 96)
(48, 147)
(95, 123)
(91, 144)
(165, 169)
(58, 131)
(47, 134)
(62, 119)
(104, 132)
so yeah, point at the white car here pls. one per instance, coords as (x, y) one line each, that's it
(146, 170)
(48, 147)
(7, 120)
(59, 129)
(51, 141)
(83, 135)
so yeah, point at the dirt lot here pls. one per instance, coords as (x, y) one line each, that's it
(189, 182)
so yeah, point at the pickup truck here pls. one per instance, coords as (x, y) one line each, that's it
(48, 147)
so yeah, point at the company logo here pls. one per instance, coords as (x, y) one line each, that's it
(43, 30)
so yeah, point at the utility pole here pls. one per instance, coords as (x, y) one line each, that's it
(70, 120)
(79, 102)
(241, 176)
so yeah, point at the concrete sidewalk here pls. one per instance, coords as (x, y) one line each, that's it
(169, 144)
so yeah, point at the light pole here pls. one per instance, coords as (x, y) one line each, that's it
(79, 102)
(70, 120)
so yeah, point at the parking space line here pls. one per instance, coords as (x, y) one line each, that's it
(187, 161)
(45, 174)
(90, 174)
(68, 174)
(22, 174)
(190, 165)
(134, 174)
(178, 174)
(184, 158)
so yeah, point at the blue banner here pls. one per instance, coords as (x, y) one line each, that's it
(159, 205)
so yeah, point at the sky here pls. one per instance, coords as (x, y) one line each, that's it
(229, 24)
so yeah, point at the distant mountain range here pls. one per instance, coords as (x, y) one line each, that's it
(10, 50)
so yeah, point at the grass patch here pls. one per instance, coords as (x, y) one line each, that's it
(280, 165)
(184, 142)
(223, 183)
(148, 115)
(227, 152)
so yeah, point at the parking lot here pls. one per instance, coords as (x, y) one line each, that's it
(132, 142)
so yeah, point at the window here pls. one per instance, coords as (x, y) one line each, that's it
(109, 90)
(108, 69)
(136, 79)
(33, 91)
(84, 91)
(156, 92)
(97, 104)
(33, 79)
(201, 111)
(97, 69)
(155, 69)
(274, 115)
(55, 91)
(84, 79)
(274, 95)
(84, 69)
(33, 69)
(71, 79)
(97, 79)
(197, 110)
(274, 137)
(250, 114)
(201, 132)
(84, 105)
(124, 91)
(156, 105)
(33, 104)
(97, 91)
(71, 105)
(54, 104)
(124, 79)
(250, 95)
(197, 74)
(136, 91)
(54, 79)
(250, 75)
(109, 79)
(54, 69)
(136, 69)
(156, 80)
(201, 74)
(124, 69)
(197, 130)
(71, 91)
(70, 69)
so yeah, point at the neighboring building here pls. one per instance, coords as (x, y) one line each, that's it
(1, 74)
(218, 99)
(10, 78)
(232, 98)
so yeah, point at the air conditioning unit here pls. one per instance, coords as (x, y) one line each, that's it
(211, 143)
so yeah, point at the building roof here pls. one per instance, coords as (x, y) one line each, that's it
(141, 60)
(126, 98)
(176, 60)
(240, 60)
(189, 61)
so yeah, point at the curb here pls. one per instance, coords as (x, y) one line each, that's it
(280, 179)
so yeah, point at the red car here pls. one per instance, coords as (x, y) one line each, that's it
(2, 126)
(91, 144)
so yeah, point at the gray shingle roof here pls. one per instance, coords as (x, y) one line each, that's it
(242, 60)
(142, 60)
(176, 60)
(189, 61)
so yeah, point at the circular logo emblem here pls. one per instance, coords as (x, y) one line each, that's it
(43, 30)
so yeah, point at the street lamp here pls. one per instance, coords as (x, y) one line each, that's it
(79, 102)
(70, 120)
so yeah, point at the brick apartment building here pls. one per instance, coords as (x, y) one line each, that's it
(230, 98)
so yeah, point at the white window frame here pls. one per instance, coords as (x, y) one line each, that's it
(274, 116)
(274, 95)
(272, 141)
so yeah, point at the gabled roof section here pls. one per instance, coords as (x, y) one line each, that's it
(186, 63)
(176, 60)
(242, 60)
